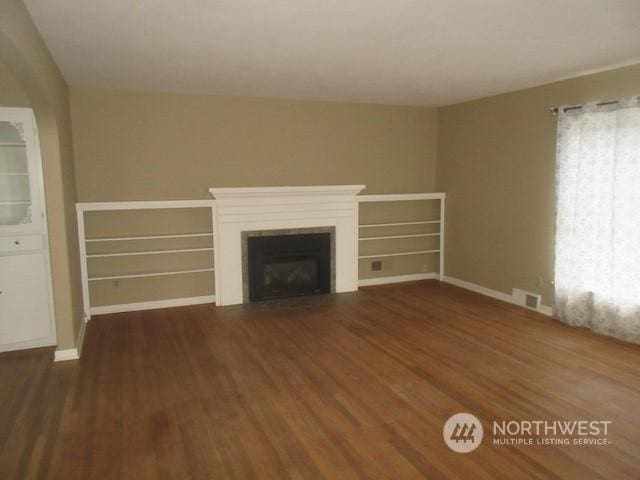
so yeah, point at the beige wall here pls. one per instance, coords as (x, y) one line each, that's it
(25, 56)
(137, 145)
(11, 92)
(152, 146)
(496, 160)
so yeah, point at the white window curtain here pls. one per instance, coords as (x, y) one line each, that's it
(597, 253)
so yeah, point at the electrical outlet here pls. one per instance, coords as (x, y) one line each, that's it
(425, 268)
(376, 266)
(539, 282)
(116, 283)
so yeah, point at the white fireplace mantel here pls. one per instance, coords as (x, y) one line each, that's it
(326, 190)
(275, 208)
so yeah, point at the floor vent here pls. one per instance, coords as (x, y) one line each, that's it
(526, 299)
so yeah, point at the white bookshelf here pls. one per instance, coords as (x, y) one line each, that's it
(144, 248)
(392, 226)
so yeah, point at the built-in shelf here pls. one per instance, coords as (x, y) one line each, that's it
(398, 224)
(12, 174)
(436, 232)
(400, 197)
(148, 274)
(413, 235)
(16, 203)
(12, 144)
(398, 254)
(149, 252)
(126, 267)
(149, 237)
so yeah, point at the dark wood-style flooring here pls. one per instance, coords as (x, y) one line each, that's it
(351, 386)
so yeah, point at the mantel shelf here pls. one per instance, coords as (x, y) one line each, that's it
(239, 193)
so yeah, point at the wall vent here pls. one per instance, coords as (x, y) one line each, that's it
(526, 299)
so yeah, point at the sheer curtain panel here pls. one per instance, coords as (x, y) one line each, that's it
(597, 253)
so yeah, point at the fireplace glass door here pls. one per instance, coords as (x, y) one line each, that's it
(288, 265)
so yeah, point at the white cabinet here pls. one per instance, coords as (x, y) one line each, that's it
(26, 308)
(24, 299)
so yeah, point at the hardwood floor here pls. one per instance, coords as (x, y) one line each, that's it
(349, 386)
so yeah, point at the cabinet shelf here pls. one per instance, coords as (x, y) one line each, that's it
(148, 274)
(150, 237)
(150, 252)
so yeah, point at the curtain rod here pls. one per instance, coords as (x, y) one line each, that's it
(555, 110)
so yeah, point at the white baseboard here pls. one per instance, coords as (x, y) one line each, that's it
(132, 307)
(505, 297)
(64, 355)
(46, 342)
(412, 277)
(81, 330)
(72, 353)
(546, 310)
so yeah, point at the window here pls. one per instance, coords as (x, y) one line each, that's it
(597, 264)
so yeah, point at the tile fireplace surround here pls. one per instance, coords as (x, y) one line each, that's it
(251, 209)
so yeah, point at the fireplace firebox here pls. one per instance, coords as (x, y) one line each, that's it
(289, 265)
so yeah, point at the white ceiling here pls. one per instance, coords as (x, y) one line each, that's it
(417, 52)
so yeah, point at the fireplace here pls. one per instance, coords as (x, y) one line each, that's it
(283, 265)
(241, 213)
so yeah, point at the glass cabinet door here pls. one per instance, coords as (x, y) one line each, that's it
(19, 189)
(15, 195)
